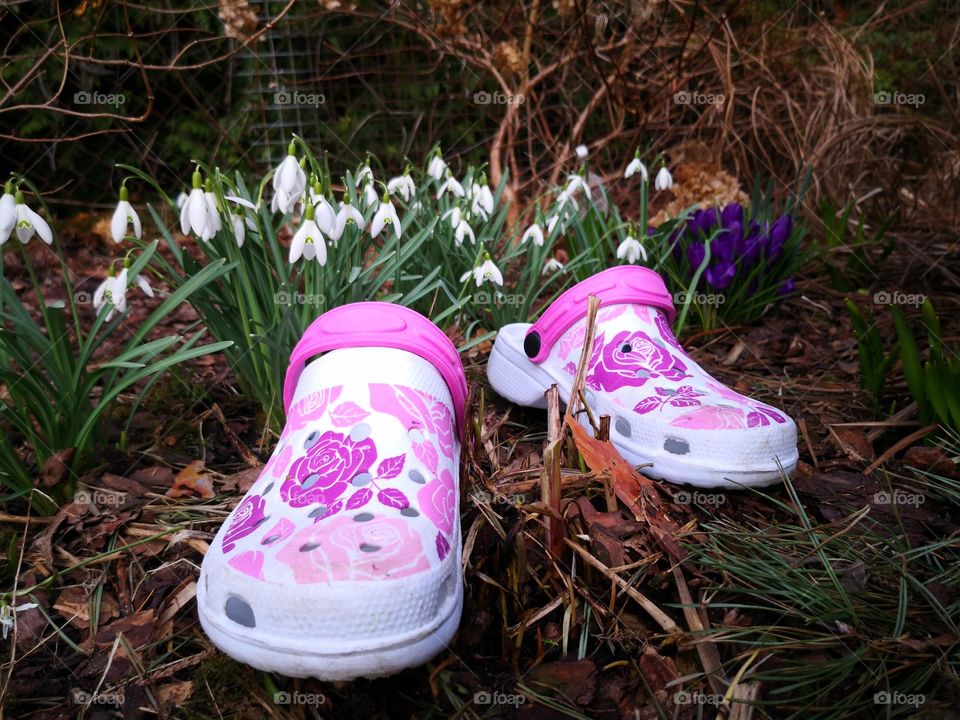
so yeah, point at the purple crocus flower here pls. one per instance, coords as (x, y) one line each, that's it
(695, 254)
(732, 213)
(779, 234)
(787, 287)
(721, 274)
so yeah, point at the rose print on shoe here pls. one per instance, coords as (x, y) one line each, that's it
(343, 549)
(683, 396)
(249, 562)
(308, 409)
(711, 418)
(247, 517)
(322, 475)
(666, 333)
(438, 501)
(630, 359)
(760, 414)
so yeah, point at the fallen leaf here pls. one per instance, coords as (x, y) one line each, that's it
(576, 679)
(192, 482)
(56, 467)
(930, 459)
(241, 481)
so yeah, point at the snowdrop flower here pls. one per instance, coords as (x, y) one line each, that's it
(552, 223)
(631, 250)
(402, 185)
(452, 185)
(386, 215)
(124, 216)
(8, 212)
(533, 233)
(551, 266)
(29, 223)
(582, 151)
(566, 198)
(239, 228)
(7, 617)
(575, 181)
(308, 241)
(213, 213)
(453, 215)
(437, 167)
(112, 292)
(195, 213)
(664, 180)
(143, 284)
(463, 230)
(289, 182)
(181, 200)
(370, 196)
(348, 215)
(485, 272)
(481, 199)
(364, 174)
(326, 216)
(636, 166)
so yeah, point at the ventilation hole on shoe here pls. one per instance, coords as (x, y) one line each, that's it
(270, 540)
(318, 511)
(622, 426)
(367, 547)
(415, 435)
(240, 612)
(310, 481)
(206, 582)
(641, 373)
(416, 476)
(307, 547)
(626, 347)
(361, 479)
(409, 512)
(363, 517)
(311, 440)
(591, 398)
(360, 432)
(268, 488)
(676, 446)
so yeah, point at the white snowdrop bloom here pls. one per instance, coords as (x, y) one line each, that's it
(365, 174)
(552, 223)
(289, 182)
(582, 151)
(551, 266)
(463, 231)
(664, 180)
(326, 216)
(195, 215)
(636, 166)
(112, 293)
(370, 197)
(239, 228)
(403, 186)
(8, 614)
(575, 182)
(386, 215)
(213, 213)
(8, 212)
(631, 250)
(486, 272)
(453, 215)
(28, 223)
(348, 215)
(142, 283)
(437, 167)
(481, 199)
(453, 185)
(566, 198)
(181, 200)
(533, 233)
(308, 241)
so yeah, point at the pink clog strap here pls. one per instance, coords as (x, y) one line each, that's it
(626, 284)
(380, 324)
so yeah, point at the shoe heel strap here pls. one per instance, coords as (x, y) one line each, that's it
(613, 286)
(380, 324)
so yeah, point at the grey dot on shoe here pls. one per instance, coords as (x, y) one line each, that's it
(416, 476)
(360, 432)
(622, 426)
(239, 610)
(311, 440)
(317, 512)
(676, 446)
(363, 517)
(310, 481)
(362, 479)
(367, 547)
(409, 512)
(307, 547)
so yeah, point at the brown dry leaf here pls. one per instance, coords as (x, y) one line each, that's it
(931, 459)
(658, 671)
(637, 492)
(137, 629)
(576, 679)
(56, 467)
(192, 482)
(174, 694)
(241, 481)
(72, 604)
(854, 444)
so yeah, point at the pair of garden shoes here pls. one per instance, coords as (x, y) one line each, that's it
(344, 558)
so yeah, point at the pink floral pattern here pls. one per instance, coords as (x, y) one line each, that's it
(683, 396)
(631, 359)
(711, 418)
(343, 549)
(438, 501)
(322, 475)
(245, 519)
(249, 563)
(308, 409)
